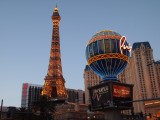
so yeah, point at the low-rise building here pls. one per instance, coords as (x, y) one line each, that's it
(32, 92)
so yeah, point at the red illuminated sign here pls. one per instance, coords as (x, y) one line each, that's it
(25, 86)
(121, 91)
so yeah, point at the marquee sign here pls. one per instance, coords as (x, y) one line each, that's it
(100, 94)
(121, 91)
(110, 95)
(122, 95)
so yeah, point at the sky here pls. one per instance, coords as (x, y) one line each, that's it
(26, 30)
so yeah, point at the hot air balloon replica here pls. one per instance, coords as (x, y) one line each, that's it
(107, 54)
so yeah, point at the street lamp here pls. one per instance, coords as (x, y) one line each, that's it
(1, 109)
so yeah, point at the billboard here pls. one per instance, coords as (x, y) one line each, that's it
(100, 96)
(122, 95)
(109, 95)
(120, 91)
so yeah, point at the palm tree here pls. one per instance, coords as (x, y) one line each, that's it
(43, 107)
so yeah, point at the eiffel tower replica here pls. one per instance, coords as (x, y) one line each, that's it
(54, 86)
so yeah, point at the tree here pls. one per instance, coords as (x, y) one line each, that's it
(44, 107)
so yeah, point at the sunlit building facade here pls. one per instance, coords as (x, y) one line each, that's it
(157, 66)
(142, 73)
(90, 79)
(122, 77)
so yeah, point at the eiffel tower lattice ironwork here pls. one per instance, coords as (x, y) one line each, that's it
(54, 86)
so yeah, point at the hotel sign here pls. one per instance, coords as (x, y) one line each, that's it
(98, 93)
(121, 91)
(100, 96)
(110, 95)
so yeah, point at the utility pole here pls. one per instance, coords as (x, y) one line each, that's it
(1, 109)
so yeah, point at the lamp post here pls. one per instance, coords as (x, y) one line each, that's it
(1, 109)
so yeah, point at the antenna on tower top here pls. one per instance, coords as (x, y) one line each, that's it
(56, 8)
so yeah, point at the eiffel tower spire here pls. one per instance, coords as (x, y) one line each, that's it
(54, 86)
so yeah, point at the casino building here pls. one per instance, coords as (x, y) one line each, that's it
(157, 66)
(76, 96)
(90, 79)
(32, 92)
(143, 72)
